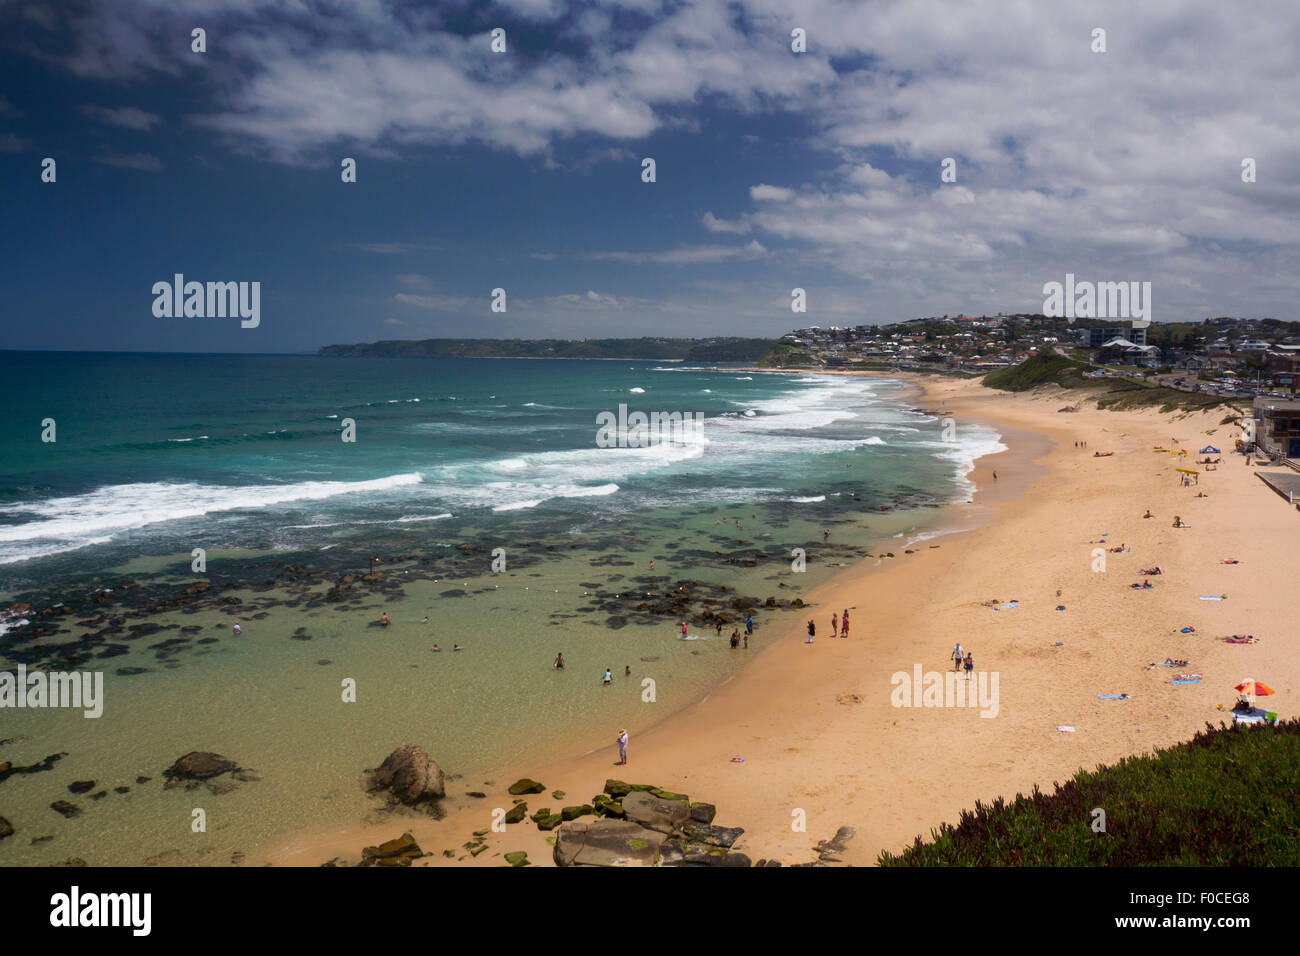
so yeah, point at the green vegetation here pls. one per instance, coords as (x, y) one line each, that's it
(718, 349)
(1111, 392)
(783, 354)
(1037, 370)
(1228, 797)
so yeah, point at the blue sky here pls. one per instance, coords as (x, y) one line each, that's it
(521, 170)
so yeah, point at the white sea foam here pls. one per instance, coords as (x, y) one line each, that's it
(637, 391)
(810, 500)
(67, 523)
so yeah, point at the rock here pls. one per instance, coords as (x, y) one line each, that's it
(703, 812)
(99, 796)
(476, 793)
(617, 788)
(121, 789)
(4, 765)
(398, 852)
(517, 858)
(410, 775)
(6, 828)
(669, 795)
(541, 815)
(572, 813)
(198, 765)
(67, 809)
(736, 858)
(550, 823)
(606, 807)
(516, 813)
(72, 861)
(655, 813)
(557, 795)
(524, 785)
(81, 786)
(713, 836)
(829, 849)
(607, 843)
(143, 779)
(701, 854)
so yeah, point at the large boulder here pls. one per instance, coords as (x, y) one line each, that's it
(607, 843)
(655, 813)
(410, 776)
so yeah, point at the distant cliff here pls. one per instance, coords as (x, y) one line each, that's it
(718, 349)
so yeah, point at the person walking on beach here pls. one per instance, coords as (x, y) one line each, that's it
(956, 657)
(559, 661)
(969, 664)
(844, 625)
(835, 625)
(812, 630)
(622, 746)
(627, 670)
(749, 625)
(608, 678)
(995, 476)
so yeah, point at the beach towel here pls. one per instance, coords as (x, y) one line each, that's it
(1214, 597)
(1194, 681)
(1065, 728)
(1112, 696)
(1060, 607)
(1187, 630)
(1006, 607)
(737, 759)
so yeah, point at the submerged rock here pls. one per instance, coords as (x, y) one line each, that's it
(67, 809)
(198, 765)
(81, 786)
(6, 828)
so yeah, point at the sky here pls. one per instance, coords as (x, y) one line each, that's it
(523, 170)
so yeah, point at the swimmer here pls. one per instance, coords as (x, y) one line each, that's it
(608, 677)
(456, 647)
(237, 629)
(436, 647)
(383, 620)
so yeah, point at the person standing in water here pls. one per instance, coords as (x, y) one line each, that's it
(684, 631)
(749, 625)
(559, 661)
(608, 678)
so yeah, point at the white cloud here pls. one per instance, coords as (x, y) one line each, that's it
(128, 117)
(714, 224)
(763, 193)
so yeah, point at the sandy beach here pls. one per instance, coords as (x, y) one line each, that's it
(816, 725)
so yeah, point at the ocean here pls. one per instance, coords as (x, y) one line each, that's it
(478, 505)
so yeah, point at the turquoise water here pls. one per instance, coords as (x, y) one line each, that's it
(241, 456)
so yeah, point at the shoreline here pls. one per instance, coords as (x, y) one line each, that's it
(816, 724)
(952, 522)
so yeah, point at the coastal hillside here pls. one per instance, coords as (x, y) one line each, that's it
(1227, 797)
(716, 349)
(1110, 392)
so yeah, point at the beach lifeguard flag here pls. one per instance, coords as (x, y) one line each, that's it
(1254, 688)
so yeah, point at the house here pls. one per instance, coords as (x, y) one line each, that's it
(1277, 428)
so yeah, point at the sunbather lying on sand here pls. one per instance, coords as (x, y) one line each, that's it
(1143, 586)
(1239, 639)
(1230, 561)
(1151, 570)
(1148, 514)
(1120, 550)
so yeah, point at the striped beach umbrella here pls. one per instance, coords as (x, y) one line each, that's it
(1253, 688)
